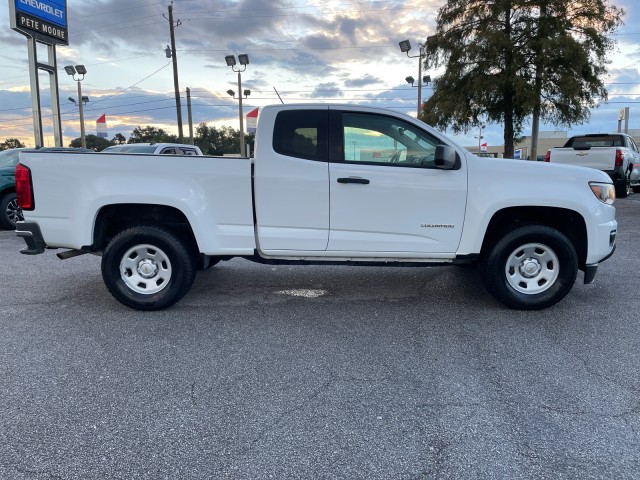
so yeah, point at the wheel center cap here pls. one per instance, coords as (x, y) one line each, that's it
(147, 268)
(530, 267)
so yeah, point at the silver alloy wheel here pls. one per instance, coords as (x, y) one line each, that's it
(532, 268)
(14, 212)
(145, 269)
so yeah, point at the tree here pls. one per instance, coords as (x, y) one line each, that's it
(220, 140)
(502, 57)
(151, 134)
(93, 142)
(118, 139)
(11, 143)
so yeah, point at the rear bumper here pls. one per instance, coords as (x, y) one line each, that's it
(31, 234)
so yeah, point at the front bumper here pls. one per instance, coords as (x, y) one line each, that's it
(32, 236)
(590, 269)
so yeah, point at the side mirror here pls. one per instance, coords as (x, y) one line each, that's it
(446, 158)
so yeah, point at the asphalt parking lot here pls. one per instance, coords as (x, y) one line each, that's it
(318, 372)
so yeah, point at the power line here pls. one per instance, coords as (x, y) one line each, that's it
(134, 84)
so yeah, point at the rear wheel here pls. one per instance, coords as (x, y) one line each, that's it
(624, 187)
(148, 268)
(10, 212)
(531, 267)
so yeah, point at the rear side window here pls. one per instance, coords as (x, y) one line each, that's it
(302, 134)
(187, 151)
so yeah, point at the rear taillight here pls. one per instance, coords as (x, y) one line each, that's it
(24, 187)
(547, 157)
(619, 157)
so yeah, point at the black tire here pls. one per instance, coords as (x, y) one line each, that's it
(148, 268)
(623, 188)
(10, 212)
(531, 267)
(636, 189)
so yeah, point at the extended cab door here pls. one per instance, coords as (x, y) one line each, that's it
(387, 193)
(291, 180)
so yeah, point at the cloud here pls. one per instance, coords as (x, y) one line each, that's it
(327, 90)
(363, 81)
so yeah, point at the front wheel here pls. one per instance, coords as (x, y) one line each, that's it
(531, 267)
(148, 268)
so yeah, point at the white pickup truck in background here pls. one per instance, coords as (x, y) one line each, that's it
(154, 148)
(614, 154)
(329, 184)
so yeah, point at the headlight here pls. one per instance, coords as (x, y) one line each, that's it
(605, 192)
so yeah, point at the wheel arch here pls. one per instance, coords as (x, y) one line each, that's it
(9, 189)
(568, 222)
(112, 219)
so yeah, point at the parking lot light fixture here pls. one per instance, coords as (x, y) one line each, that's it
(405, 46)
(81, 71)
(231, 62)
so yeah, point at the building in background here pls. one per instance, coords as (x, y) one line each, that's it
(546, 140)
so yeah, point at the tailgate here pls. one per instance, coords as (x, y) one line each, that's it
(600, 158)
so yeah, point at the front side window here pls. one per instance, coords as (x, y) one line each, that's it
(378, 139)
(302, 134)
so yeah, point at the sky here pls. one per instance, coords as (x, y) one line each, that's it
(342, 51)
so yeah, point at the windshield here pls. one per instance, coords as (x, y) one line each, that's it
(131, 149)
(9, 158)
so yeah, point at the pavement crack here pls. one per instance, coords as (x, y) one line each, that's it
(193, 394)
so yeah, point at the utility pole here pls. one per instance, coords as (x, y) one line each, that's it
(189, 116)
(174, 57)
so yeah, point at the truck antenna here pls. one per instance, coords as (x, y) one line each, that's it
(274, 89)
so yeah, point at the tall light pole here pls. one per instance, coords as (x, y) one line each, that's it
(243, 59)
(81, 71)
(481, 127)
(426, 79)
(405, 46)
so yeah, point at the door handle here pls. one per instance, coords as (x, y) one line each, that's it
(363, 181)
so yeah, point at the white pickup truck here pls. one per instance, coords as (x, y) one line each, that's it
(153, 148)
(329, 184)
(614, 154)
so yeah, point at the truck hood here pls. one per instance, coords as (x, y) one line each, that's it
(526, 170)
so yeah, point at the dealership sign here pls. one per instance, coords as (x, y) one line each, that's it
(44, 20)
